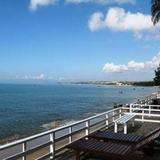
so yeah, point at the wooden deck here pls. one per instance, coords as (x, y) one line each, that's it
(55, 140)
(140, 129)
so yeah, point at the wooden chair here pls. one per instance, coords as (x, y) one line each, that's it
(114, 150)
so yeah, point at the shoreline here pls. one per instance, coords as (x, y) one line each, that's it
(117, 83)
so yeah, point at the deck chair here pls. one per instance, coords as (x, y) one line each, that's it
(114, 150)
(117, 137)
(121, 137)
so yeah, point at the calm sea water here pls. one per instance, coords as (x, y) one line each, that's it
(24, 109)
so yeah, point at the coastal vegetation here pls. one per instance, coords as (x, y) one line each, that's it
(155, 9)
(119, 83)
(157, 76)
(144, 83)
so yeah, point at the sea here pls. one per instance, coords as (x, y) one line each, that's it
(29, 109)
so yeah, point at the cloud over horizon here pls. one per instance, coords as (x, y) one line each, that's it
(38, 77)
(119, 20)
(132, 66)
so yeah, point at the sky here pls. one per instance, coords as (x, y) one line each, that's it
(77, 40)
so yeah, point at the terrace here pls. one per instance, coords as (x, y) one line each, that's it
(53, 143)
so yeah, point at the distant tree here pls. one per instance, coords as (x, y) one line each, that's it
(157, 77)
(155, 9)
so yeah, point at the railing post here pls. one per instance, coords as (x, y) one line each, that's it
(113, 116)
(149, 110)
(142, 115)
(52, 145)
(107, 121)
(87, 128)
(24, 148)
(125, 128)
(115, 127)
(70, 132)
(120, 113)
(130, 108)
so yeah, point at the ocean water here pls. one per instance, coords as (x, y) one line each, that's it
(25, 109)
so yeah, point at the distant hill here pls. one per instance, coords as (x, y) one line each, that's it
(143, 83)
(118, 83)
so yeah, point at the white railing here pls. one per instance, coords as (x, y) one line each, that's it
(152, 112)
(51, 142)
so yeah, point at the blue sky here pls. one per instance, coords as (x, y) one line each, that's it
(63, 40)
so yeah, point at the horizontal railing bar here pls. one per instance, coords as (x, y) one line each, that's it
(99, 122)
(12, 144)
(44, 156)
(145, 114)
(94, 117)
(147, 120)
(69, 134)
(79, 130)
(21, 154)
(144, 109)
(145, 105)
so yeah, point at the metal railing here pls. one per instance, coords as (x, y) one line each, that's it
(56, 140)
(152, 112)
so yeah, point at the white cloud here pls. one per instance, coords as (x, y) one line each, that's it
(112, 68)
(101, 1)
(96, 22)
(38, 77)
(117, 19)
(34, 4)
(133, 65)
(26, 77)
(136, 66)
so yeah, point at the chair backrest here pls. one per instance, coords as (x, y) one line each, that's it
(150, 137)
